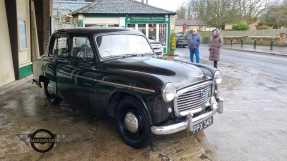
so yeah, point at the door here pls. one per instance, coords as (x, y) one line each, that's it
(24, 45)
(62, 65)
(83, 59)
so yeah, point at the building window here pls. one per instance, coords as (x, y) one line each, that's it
(22, 34)
(131, 26)
(152, 31)
(162, 34)
(113, 25)
(141, 27)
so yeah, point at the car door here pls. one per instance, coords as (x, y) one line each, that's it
(83, 59)
(63, 68)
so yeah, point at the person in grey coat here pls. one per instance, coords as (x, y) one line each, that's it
(215, 44)
(193, 39)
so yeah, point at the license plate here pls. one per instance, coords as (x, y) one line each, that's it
(202, 125)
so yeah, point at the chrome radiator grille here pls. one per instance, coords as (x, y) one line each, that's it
(193, 97)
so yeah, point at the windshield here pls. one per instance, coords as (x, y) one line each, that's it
(180, 34)
(121, 45)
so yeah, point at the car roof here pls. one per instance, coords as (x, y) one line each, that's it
(88, 30)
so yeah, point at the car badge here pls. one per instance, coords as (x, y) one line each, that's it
(202, 92)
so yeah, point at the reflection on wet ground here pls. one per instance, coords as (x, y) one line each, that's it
(84, 137)
(253, 126)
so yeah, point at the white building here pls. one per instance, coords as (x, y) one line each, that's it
(154, 22)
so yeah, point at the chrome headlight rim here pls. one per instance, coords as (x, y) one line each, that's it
(217, 77)
(168, 92)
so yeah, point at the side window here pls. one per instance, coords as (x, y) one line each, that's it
(82, 48)
(60, 47)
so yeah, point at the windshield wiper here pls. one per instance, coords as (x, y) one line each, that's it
(146, 54)
(127, 55)
(120, 56)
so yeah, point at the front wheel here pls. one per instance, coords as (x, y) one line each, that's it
(50, 92)
(133, 123)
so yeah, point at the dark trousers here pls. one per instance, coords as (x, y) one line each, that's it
(215, 63)
(194, 51)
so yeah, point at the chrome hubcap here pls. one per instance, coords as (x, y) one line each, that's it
(131, 122)
(51, 87)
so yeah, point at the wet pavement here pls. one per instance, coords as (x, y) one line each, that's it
(253, 126)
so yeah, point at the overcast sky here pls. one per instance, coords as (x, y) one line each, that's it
(171, 5)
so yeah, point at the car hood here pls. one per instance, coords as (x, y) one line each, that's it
(177, 72)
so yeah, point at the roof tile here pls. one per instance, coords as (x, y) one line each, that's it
(120, 7)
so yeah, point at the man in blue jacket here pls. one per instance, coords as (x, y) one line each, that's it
(193, 39)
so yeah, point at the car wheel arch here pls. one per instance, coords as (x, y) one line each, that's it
(115, 98)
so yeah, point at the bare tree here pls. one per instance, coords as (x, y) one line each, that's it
(276, 16)
(217, 12)
(251, 8)
(220, 12)
(181, 12)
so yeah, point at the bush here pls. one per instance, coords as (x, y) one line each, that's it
(172, 41)
(242, 25)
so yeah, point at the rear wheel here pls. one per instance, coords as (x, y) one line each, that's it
(133, 123)
(50, 92)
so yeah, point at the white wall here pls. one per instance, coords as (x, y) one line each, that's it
(6, 63)
(102, 20)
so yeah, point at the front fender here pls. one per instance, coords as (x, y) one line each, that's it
(119, 95)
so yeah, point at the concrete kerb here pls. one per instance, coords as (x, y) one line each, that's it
(257, 51)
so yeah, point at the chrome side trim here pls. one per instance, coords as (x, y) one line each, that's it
(126, 86)
(117, 84)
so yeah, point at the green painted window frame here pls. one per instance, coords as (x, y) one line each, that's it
(25, 71)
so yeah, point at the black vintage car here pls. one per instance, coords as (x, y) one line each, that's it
(115, 72)
(181, 40)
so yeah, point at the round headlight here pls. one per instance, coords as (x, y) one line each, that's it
(168, 92)
(217, 77)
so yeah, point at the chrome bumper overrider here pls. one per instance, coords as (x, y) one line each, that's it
(216, 106)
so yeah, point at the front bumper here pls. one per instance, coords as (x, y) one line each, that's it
(216, 106)
(158, 51)
(180, 42)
